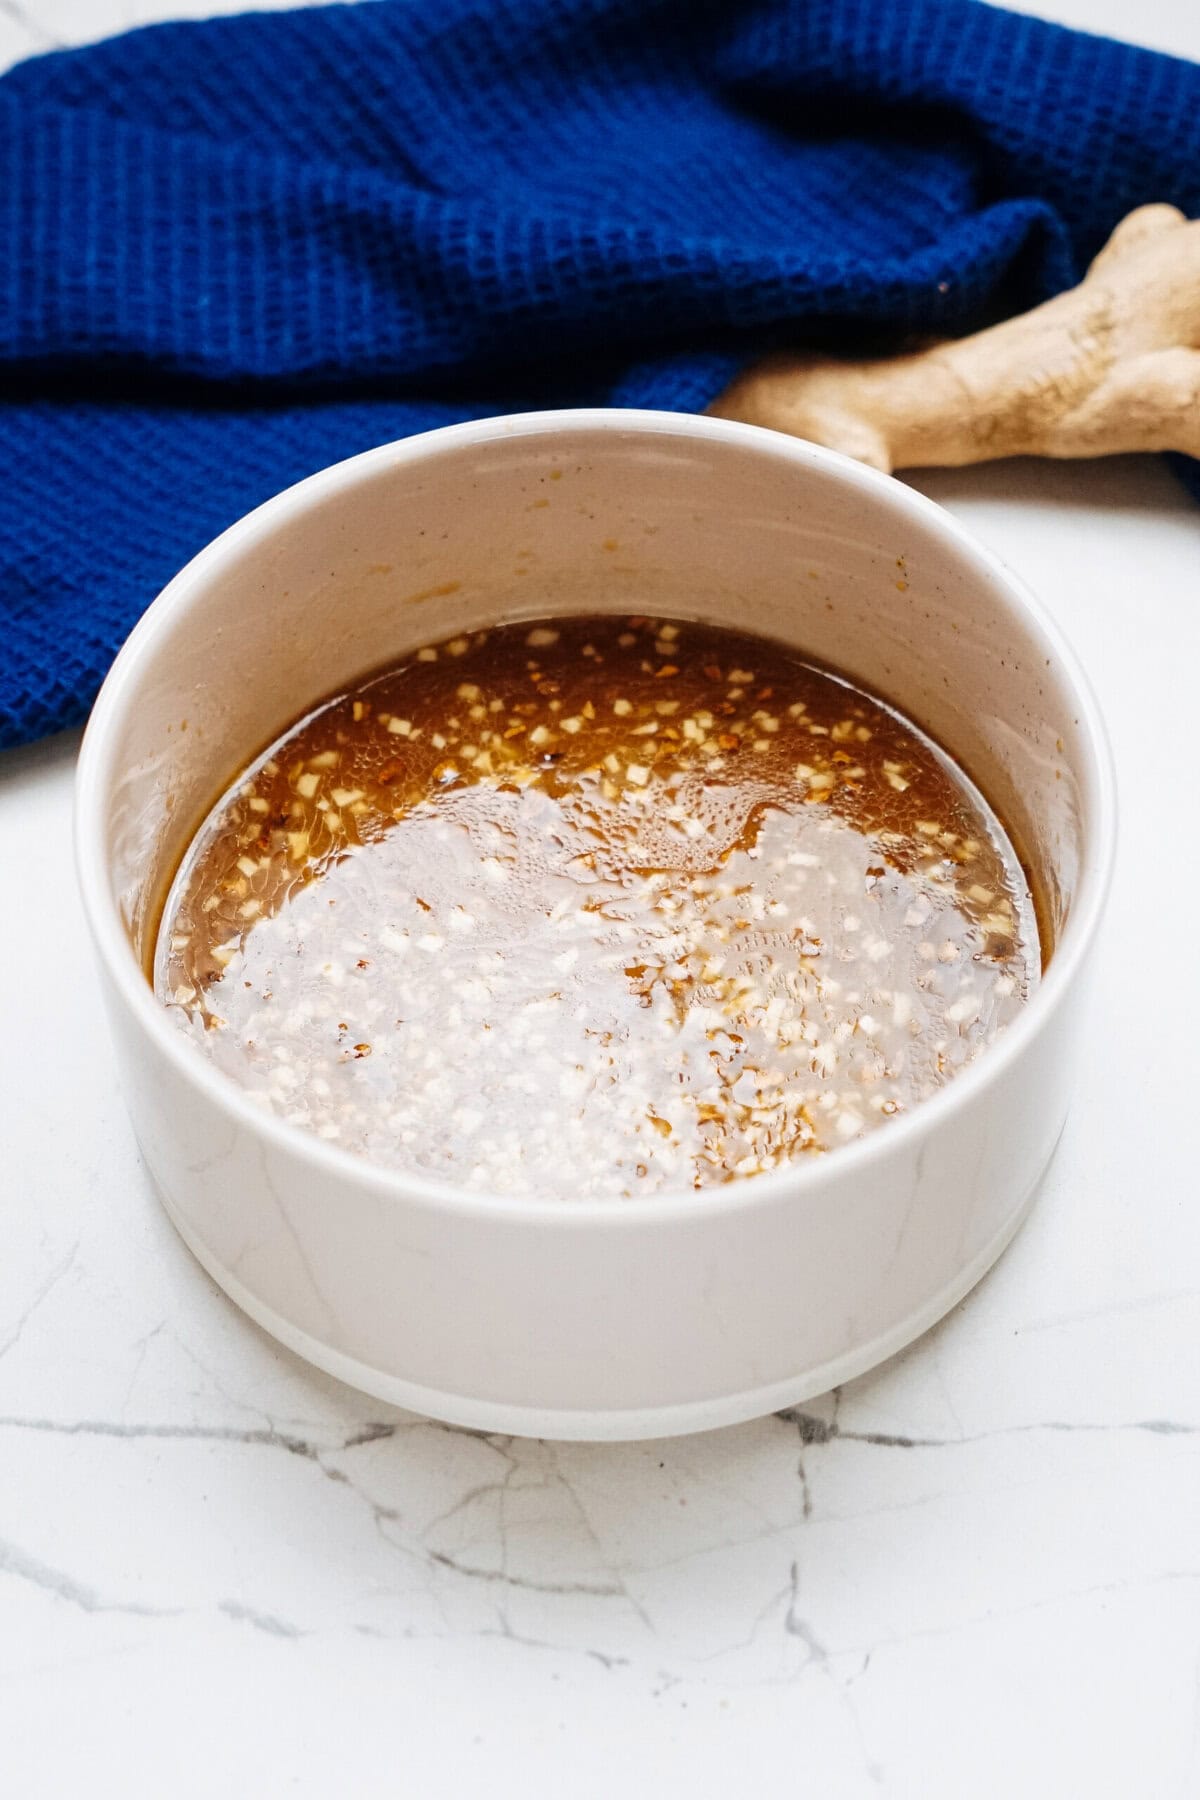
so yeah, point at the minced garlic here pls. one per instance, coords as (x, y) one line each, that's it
(546, 932)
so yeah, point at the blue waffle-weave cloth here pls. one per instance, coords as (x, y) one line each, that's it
(232, 252)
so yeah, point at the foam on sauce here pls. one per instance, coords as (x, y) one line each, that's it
(594, 907)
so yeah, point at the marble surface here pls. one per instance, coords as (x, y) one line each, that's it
(975, 1572)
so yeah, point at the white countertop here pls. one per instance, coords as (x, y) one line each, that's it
(973, 1573)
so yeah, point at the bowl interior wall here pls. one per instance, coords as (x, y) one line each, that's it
(293, 609)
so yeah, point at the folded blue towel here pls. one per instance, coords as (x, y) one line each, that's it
(233, 252)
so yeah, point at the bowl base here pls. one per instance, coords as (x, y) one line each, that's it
(621, 1426)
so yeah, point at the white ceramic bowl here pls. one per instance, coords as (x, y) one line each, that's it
(593, 1319)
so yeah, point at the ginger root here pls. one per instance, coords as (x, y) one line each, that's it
(1113, 365)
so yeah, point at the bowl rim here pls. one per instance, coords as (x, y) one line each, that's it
(187, 588)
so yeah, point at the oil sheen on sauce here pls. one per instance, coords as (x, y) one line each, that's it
(597, 906)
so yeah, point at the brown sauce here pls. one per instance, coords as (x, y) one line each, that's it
(593, 907)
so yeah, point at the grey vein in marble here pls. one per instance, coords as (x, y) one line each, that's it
(43, 1293)
(24, 18)
(261, 1621)
(18, 1562)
